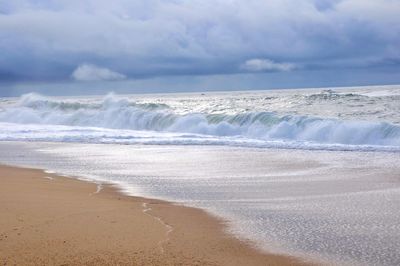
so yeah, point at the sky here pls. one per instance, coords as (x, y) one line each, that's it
(90, 46)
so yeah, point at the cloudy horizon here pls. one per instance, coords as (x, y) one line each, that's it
(279, 43)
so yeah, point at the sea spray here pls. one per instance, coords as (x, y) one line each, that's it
(119, 119)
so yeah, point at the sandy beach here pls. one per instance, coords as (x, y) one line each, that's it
(52, 220)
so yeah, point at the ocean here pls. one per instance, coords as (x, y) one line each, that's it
(311, 172)
(364, 119)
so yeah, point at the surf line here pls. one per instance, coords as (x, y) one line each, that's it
(161, 243)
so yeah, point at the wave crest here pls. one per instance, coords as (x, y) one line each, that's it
(120, 113)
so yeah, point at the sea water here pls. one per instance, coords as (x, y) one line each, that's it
(310, 172)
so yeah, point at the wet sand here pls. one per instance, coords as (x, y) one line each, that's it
(52, 220)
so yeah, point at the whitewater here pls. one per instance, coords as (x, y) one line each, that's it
(310, 119)
(313, 173)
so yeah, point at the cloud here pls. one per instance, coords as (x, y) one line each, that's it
(42, 39)
(88, 72)
(255, 65)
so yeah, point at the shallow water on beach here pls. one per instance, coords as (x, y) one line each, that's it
(334, 206)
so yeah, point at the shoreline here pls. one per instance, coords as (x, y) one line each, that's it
(51, 219)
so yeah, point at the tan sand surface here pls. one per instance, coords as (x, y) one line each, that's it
(50, 220)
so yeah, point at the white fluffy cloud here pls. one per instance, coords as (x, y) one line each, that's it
(257, 64)
(89, 72)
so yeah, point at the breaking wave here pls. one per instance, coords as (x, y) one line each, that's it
(122, 115)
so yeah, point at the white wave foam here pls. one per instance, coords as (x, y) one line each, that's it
(158, 124)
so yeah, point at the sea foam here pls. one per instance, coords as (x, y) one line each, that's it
(116, 119)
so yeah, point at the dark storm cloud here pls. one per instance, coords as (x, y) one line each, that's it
(51, 40)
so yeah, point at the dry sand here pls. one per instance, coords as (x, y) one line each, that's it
(52, 220)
